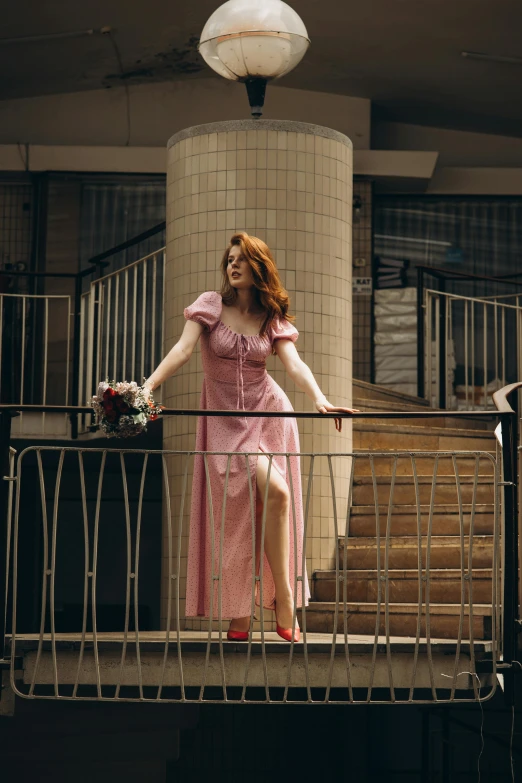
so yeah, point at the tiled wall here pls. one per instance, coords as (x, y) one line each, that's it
(292, 189)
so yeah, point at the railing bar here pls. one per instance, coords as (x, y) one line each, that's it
(15, 570)
(303, 569)
(163, 319)
(253, 600)
(125, 311)
(378, 596)
(503, 353)
(495, 314)
(428, 577)
(336, 610)
(466, 352)
(46, 337)
(136, 573)
(95, 571)
(387, 580)
(303, 590)
(143, 320)
(211, 591)
(220, 580)
(116, 333)
(53, 572)
(1, 325)
(470, 571)
(448, 330)
(108, 328)
(88, 390)
(345, 580)
(45, 559)
(168, 514)
(473, 384)
(428, 393)
(153, 313)
(22, 367)
(437, 352)
(81, 355)
(261, 571)
(70, 326)
(468, 298)
(132, 265)
(128, 576)
(495, 564)
(178, 619)
(462, 577)
(485, 353)
(134, 321)
(418, 515)
(101, 307)
(86, 559)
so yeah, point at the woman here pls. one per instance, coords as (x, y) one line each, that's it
(239, 328)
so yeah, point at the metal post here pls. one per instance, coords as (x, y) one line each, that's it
(76, 352)
(421, 392)
(5, 441)
(443, 357)
(510, 597)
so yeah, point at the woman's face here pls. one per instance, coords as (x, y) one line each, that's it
(239, 271)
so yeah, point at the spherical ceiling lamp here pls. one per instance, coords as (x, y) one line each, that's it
(254, 41)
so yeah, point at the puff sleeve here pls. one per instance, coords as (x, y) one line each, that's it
(206, 310)
(284, 330)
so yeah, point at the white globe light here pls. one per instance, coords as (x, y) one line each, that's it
(245, 39)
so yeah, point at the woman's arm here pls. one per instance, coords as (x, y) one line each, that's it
(304, 379)
(177, 356)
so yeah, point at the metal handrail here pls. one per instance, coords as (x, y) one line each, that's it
(505, 412)
(442, 275)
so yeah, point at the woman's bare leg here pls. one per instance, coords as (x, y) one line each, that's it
(277, 536)
(277, 540)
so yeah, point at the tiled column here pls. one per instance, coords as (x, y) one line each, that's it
(289, 184)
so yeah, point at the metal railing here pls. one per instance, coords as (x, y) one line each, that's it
(28, 348)
(343, 665)
(485, 337)
(39, 341)
(485, 357)
(121, 323)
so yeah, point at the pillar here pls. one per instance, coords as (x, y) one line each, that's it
(290, 184)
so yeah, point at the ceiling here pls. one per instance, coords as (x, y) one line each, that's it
(405, 55)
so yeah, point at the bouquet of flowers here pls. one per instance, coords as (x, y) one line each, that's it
(124, 409)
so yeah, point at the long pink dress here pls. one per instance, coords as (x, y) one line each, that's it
(236, 378)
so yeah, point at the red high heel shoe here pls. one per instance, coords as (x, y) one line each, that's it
(286, 633)
(237, 636)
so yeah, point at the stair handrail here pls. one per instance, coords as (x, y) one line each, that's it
(509, 440)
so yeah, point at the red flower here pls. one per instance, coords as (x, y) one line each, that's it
(121, 405)
(109, 392)
(108, 405)
(111, 416)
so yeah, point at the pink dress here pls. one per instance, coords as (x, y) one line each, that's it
(236, 379)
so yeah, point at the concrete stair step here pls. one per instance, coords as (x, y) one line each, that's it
(361, 619)
(383, 466)
(361, 553)
(404, 491)
(445, 521)
(365, 390)
(403, 585)
(400, 437)
(468, 422)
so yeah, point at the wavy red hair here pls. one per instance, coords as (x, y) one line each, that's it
(270, 292)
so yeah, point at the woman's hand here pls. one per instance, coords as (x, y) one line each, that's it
(323, 406)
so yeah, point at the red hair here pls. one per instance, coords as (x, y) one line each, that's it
(270, 292)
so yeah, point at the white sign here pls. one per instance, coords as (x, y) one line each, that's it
(362, 285)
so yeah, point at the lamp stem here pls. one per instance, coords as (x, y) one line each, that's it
(256, 95)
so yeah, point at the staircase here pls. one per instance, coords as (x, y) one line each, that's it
(445, 588)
